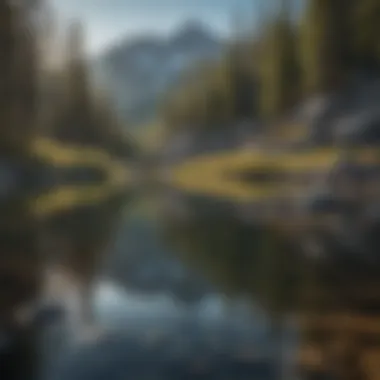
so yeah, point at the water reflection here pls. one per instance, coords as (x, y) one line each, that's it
(20, 284)
(48, 266)
(75, 243)
(179, 286)
(152, 306)
(244, 258)
(333, 294)
(238, 255)
(258, 271)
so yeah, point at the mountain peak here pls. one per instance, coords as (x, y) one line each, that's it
(142, 70)
(192, 32)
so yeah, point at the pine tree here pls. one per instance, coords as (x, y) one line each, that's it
(240, 83)
(82, 115)
(213, 96)
(18, 79)
(365, 16)
(78, 86)
(324, 45)
(238, 76)
(74, 117)
(108, 128)
(279, 67)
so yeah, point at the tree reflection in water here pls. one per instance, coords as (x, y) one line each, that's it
(334, 296)
(77, 241)
(251, 259)
(21, 266)
(75, 245)
(262, 263)
(31, 250)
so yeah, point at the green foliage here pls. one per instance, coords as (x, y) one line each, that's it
(212, 96)
(324, 45)
(18, 79)
(279, 68)
(240, 82)
(80, 114)
(36, 102)
(289, 59)
(365, 16)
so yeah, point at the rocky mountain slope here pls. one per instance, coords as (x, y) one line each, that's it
(139, 72)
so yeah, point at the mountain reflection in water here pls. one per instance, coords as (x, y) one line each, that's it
(173, 286)
(156, 315)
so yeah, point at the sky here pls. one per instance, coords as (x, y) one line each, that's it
(106, 21)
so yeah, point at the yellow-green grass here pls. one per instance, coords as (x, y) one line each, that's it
(206, 174)
(59, 154)
(68, 197)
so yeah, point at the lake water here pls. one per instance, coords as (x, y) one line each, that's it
(169, 299)
(170, 284)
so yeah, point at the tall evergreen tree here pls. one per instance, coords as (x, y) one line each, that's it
(324, 45)
(74, 119)
(365, 16)
(18, 79)
(279, 66)
(240, 82)
(214, 96)
(108, 129)
(81, 115)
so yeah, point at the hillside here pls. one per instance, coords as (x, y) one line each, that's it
(139, 72)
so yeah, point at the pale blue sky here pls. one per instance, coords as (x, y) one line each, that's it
(108, 20)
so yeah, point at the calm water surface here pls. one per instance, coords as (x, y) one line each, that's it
(171, 298)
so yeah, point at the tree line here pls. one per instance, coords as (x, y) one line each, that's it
(40, 100)
(263, 77)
